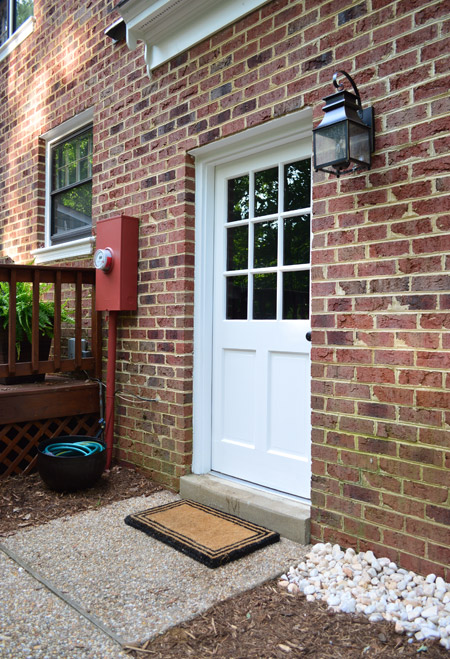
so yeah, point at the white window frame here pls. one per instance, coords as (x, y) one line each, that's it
(15, 38)
(73, 248)
(284, 130)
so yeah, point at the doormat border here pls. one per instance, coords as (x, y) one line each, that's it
(207, 556)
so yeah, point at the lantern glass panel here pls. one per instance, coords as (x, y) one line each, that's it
(359, 143)
(331, 144)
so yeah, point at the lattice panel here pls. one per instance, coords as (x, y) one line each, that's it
(18, 441)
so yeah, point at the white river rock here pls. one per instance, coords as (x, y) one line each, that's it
(353, 582)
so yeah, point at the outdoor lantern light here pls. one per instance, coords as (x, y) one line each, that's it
(344, 140)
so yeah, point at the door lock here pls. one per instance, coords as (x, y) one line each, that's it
(308, 335)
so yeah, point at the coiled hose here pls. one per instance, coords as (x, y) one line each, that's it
(73, 450)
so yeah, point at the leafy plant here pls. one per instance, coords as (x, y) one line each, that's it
(24, 311)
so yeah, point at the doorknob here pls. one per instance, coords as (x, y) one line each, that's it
(308, 335)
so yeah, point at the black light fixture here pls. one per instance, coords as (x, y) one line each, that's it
(344, 140)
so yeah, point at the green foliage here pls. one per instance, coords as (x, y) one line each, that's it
(24, 311)
(24, 9)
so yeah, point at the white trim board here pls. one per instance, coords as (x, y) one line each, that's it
(169, 27)
(280, 131)
(74, 248)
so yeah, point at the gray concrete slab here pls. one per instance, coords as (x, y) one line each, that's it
(135, 586)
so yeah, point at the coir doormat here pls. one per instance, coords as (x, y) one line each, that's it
(203, 533)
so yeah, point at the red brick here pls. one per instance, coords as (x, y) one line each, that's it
(439, 553)
(404, 505)
(343, 506)
(402, 541)
(438, 514)
(434, 437)
(400, 468)
(426, 492)
(422, 416)
(382, 375)
(376, 410)
(340, 440)
(397, 431)
(393, 357)
(434, 399)
(362, 529)
(381, 482)
(432, 532)
(382, 517)
(377, 446)
(435, 476)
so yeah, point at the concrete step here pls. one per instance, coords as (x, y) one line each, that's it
(289, 517)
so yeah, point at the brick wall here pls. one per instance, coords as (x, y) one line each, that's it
(380, 293)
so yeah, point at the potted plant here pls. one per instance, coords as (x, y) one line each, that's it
(24, 314)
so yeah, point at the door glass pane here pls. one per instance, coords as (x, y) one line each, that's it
(237, 295)
(296, 240)
(266, 192)
(265, 245)
(238, 196)
(295, 295)
(297, 185)
(265, 296)
(237, 248)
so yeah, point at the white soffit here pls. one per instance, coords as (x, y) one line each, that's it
(169, 27)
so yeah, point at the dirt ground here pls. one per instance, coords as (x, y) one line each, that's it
(263, 623)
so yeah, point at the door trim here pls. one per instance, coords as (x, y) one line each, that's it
(297, 125)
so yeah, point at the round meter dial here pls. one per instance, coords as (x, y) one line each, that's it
(103, 259)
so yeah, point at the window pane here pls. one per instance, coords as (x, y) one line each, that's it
(295, 295)
(265, 296)
(72, 160)
(297, 185)
(24, 9)
(84, 169)
(72, 173)
(72, 211)
(3, 20)
(237, 295)
(296, 240)
(265, 246)
(266, 192)
(238, 196)
(62, 177)
(237, 248)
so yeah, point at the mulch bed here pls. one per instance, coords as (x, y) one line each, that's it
(27, 501)
(266, 622)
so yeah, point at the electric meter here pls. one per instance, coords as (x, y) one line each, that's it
(103, 259)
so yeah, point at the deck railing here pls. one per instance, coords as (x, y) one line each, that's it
(71, 288)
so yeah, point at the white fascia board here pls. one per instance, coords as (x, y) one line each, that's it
(169, 27)
(73, 249)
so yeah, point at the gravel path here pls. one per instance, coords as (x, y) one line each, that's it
(135, 585)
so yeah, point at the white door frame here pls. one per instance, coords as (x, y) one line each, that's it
(295, 126)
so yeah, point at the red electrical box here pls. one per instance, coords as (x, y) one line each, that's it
(116, 261)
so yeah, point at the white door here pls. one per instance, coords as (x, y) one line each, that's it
(261, 363)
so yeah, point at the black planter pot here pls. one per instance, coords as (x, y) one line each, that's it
(25, 356)
(66, 474)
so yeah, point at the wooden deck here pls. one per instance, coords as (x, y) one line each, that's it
(30, 413)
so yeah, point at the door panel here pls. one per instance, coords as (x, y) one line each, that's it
(261, 366)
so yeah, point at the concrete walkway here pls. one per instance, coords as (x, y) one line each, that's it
(84, 586)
